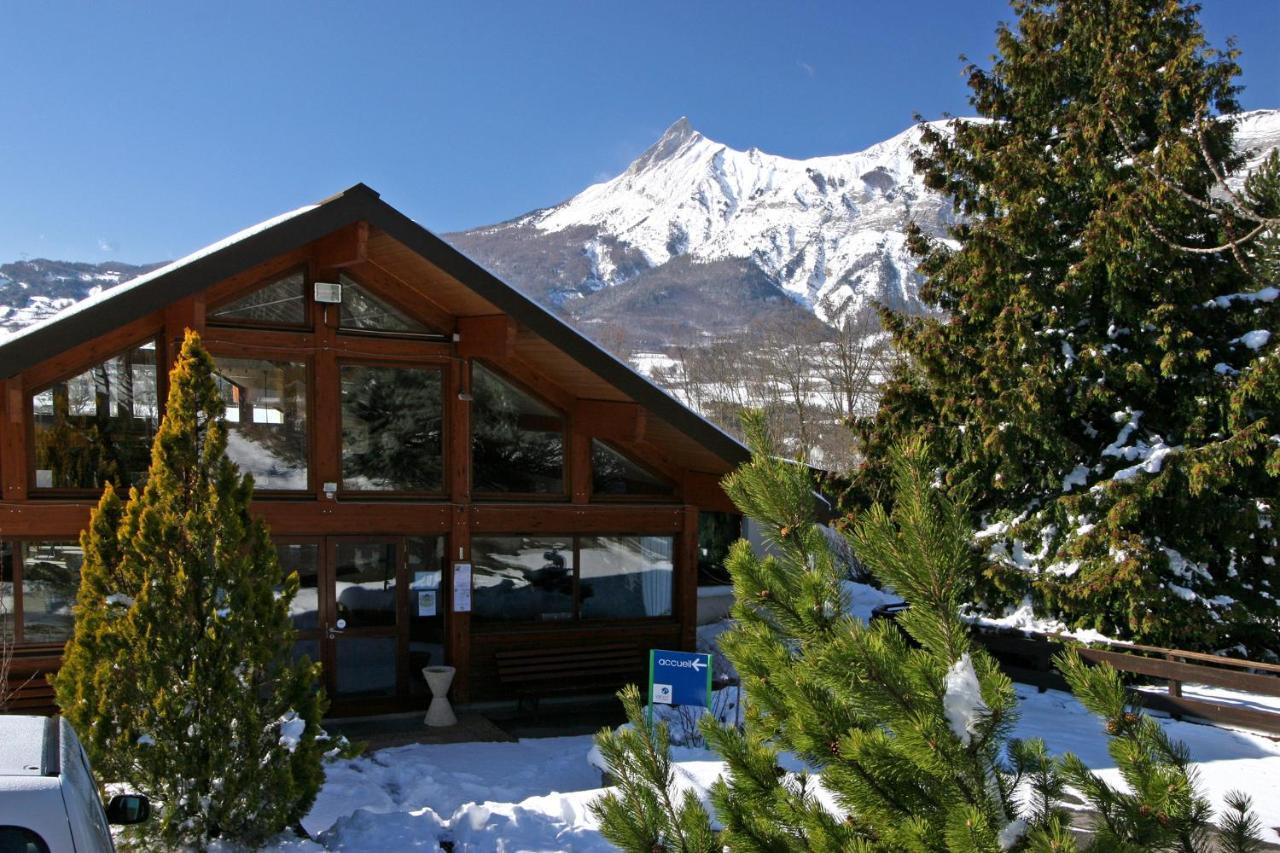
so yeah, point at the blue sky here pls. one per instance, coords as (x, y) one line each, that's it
(141, 131)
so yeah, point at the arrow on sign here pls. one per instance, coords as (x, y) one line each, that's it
(697, 664)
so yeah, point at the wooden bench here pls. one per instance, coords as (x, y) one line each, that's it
(533, 673)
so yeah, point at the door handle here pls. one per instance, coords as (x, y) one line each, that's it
(339, 628)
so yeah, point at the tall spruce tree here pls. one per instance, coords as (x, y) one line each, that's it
(180, 674)
(904, 731)
(1105, 375)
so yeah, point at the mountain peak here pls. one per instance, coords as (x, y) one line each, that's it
(675, 138)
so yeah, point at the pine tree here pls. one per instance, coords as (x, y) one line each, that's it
(904, 728)
(1262, 195)
(1104, 378)
(646, 813)
(179, 674)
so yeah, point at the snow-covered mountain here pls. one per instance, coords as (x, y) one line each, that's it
(757, 233)
(33, 290)
(696, 236)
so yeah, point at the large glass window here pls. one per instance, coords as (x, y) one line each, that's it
(517, 442)
(613, 473)
(625, 577)
(361, 311)
(282, 302)
(97, 427)
(522, 578)
(50, 581)
(559, 578)
(266, 411)
(392, 421)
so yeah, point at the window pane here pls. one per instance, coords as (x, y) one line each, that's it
(97, 427)
(50, 580)
(266, 419)
(304, 610)
(522, 578)
(517, 443)
(283, 302)
(625, 576)
(366, 666)
(612, 473)
(717, 531)
(361, 311)
(7, 617)
(365, 578)
(391, 429)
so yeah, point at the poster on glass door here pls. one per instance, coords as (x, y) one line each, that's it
(461, 587)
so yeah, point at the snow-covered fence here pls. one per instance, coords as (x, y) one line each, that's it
(1028, 658)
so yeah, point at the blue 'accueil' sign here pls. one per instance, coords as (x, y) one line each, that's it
(679, 678)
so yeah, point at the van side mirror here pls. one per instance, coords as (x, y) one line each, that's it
(128, 809)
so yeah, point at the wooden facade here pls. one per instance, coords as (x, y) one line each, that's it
(478, 326)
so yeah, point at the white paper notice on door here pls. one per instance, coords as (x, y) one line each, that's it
(461, 587)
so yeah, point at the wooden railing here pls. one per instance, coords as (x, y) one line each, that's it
(29, 690)
(1028, 658)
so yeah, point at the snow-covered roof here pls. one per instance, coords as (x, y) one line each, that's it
(105, 294)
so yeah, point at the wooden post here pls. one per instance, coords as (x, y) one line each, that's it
(579, 465)
(686, 587)
(458, 412)
(459, 623)
(326, 407)
(13, 441)
(182, 315)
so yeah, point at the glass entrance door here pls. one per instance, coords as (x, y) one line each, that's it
(371, 609)
(365, 621)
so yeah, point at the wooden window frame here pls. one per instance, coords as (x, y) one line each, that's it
(308, 286)
(447, 403)
(577, 622)
(648, 497)
(479, 496)
(305, 356)
(162, 372)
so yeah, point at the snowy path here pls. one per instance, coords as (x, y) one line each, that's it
(533, 795)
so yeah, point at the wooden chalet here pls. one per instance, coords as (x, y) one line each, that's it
(420, 426)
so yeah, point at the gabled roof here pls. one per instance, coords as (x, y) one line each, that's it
(256, 245)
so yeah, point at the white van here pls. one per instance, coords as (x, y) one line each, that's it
(49, 799)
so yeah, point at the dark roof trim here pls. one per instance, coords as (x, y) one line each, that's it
(352, 205)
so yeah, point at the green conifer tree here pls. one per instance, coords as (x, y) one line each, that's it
(180, 671)
(903, 729)
(1105, 376)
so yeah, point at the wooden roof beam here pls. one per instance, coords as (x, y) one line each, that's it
(492, 336)
(609, 419)
(345, 247)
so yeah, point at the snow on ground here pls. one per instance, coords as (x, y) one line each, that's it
(534, 795)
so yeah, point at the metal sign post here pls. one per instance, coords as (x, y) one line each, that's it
(678, 678)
